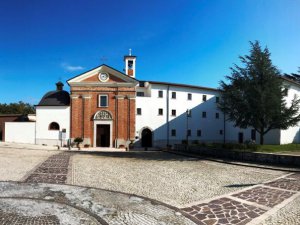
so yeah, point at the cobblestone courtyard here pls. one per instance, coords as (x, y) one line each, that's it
(159, 188)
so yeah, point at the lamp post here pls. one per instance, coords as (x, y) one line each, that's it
(188, 114)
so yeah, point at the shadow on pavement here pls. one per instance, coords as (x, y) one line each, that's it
(143, 155)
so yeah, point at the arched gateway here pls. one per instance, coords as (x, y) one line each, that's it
(103, 129)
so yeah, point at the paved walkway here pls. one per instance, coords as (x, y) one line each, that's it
(44, 199)
(247, 205)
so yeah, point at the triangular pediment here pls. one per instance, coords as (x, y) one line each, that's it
(93, 77)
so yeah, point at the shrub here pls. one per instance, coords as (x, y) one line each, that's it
(195, 142)
(184, 142)
(78, 140)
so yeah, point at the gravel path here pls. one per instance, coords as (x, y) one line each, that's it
(175, 180)
(16, 163)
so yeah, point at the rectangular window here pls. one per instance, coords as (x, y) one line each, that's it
(160, 94)
(253, 135)
(217, 99)
(160, 112)
(204, 98)
(173, 133)
(103, 101)
(140, 94)
(221, 132)
(199, 133)
(173, 112)
(142, 83)
(189, 132)
(174, 95)
(189, 96)
(217, 115)
(139, 111)
(203, 114)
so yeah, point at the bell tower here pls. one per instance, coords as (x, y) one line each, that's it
(130, 64)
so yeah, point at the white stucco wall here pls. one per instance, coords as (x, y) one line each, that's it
(209, 126)
(20, 132)
(48, 114)
(291, 135)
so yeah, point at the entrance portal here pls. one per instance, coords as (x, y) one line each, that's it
(146, 138)
(103, 135)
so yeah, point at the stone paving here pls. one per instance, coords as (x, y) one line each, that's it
(54, 170)
(244, 206)
(44, 200)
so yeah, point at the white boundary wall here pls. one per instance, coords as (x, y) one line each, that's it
(20, 132)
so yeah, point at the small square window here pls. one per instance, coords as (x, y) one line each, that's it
(253, 135)
(189, 96)
(174, 95)
(217, 99)
(204, 98)
(160, 94)
(160, 112)
(217, 115)
(140, 94)
(203, 114)
(173, 133)
(130, 64)
(103, 101)
(139, 111)
(199, 133)
(173, 112)
(189, 132)
(221, 132)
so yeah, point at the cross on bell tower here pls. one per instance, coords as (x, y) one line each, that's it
(130, 64)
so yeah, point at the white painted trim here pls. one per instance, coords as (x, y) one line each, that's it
(102, 69)
(99, 84)
(99, 101)
(100, 122)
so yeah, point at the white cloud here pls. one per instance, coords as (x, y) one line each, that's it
(71, 68)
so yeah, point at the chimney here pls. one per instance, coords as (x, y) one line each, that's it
(59, 86)
(130, 64)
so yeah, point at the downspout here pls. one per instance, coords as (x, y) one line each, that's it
(128, 120)
(117, 120)
(168, 126)
(82, 129)
(224, 138)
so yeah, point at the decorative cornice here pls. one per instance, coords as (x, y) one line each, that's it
(74, 96)
(98, 84)
(119, 96)
(86, 96)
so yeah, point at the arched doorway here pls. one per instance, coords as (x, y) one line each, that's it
(103, 129)
(146, 138)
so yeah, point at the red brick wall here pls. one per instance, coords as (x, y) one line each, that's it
(88, 96)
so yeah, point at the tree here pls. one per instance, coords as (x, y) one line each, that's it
(255, 95)
(293, 76)
(17, 108)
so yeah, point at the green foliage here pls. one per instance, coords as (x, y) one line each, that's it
(255, 95)
(195, 142)
(78, 140)
(17, 108)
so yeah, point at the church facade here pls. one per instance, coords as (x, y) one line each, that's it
(111, 109)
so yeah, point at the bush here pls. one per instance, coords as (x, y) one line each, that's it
(184, 142)
(195, 142)
(78, 140)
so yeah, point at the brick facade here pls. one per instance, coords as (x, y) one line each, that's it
(121, 106)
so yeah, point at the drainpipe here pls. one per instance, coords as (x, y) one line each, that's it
(168, 126)
(224, 128)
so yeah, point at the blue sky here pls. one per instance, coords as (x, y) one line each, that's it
(180, 41)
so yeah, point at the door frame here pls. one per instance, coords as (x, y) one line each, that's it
(101, 122)
(141, 136)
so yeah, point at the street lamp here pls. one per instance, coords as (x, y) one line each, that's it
(188, 114)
